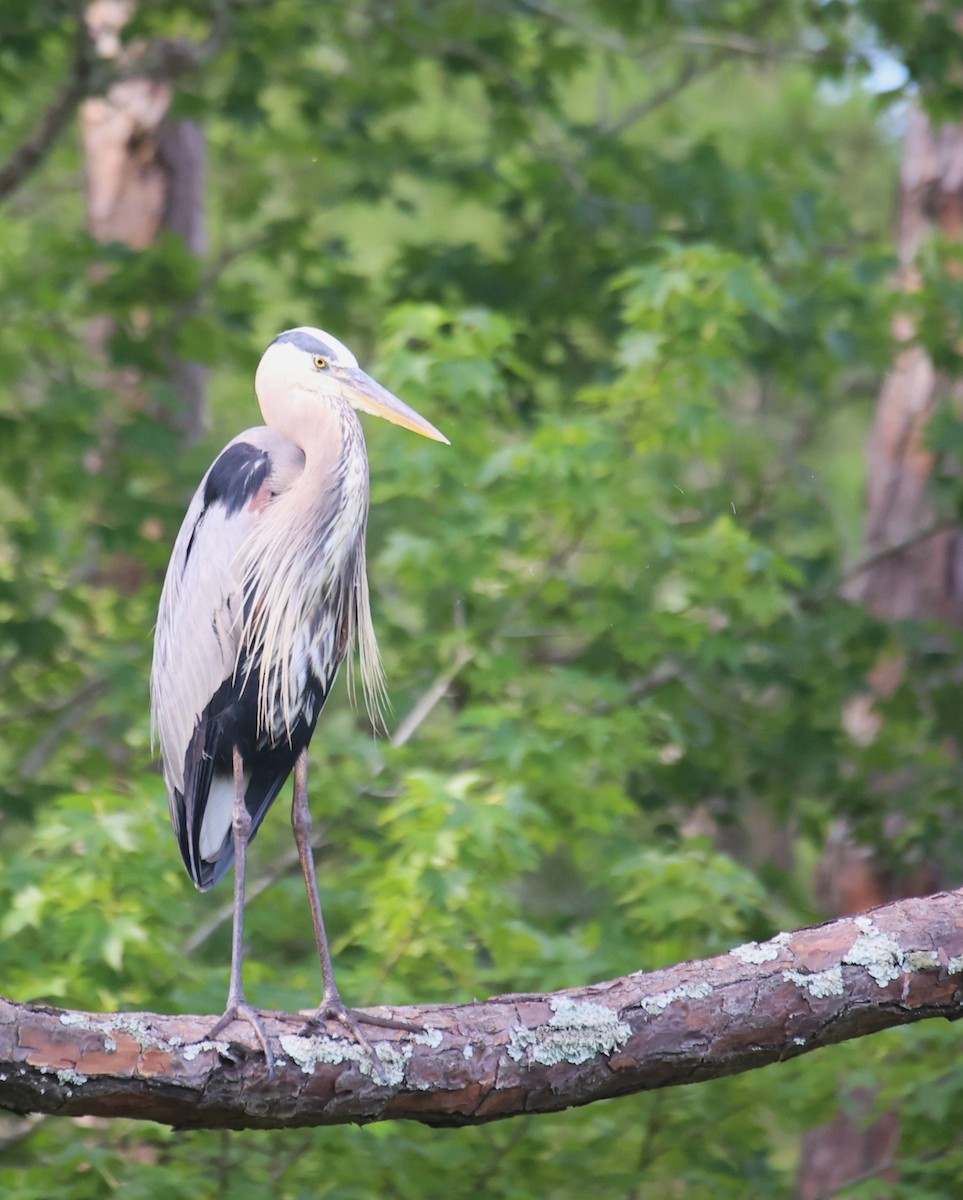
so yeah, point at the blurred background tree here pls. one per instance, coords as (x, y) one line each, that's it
(638, 262)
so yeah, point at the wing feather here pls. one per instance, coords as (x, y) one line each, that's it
(201, 614)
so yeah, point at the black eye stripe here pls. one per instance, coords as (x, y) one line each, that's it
(305, 341)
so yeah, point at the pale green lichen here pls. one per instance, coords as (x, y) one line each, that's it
(929, 960)
(577, 1031)
(193, 1049)
(307, 1052)
(873, 949)
(760, 952)
(69, 1075)
(136, 1027)
(686, 991)
(818, 983)
(884, 958)
(921, 960)
(394, 1060)
(467, 1051)
(82, 1021)
(876, 951)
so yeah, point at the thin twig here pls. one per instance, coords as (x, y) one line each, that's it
(435, 693)
(69, 717)
(749, 46)
(879, 556)
(605, 39)
(275, 869)
(690, 71)
(89, 691)
(653, 1128)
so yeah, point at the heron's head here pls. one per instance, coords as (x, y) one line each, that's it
(304, 368)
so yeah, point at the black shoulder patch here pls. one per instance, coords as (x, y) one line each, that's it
(236, 477)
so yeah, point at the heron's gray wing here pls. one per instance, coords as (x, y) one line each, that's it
(201, 609)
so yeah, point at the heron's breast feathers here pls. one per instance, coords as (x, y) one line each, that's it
(306, 605)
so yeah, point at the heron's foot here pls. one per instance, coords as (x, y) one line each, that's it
(333, 1008)
(349, 1017)
(336, 1010)
(240, 1010)
(388, 1022)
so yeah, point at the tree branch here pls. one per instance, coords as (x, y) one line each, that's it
(37, 145)
(92, 75)
(510, 1055)
(878, 556)
(688, 72)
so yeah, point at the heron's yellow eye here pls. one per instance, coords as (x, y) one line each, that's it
(320, 362)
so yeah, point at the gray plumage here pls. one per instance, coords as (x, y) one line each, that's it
(267, 593)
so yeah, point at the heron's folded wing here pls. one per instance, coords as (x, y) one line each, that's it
(199, 622)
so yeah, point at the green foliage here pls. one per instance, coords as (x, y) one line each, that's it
(633, 260)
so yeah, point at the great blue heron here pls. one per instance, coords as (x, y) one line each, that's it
(265, 595)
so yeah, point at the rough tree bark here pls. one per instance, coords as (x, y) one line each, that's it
(145, 173)
(915, 568)
(913, 571)
(511, 1055)
(90, 75)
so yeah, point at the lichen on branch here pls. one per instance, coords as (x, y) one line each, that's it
(507, 1056)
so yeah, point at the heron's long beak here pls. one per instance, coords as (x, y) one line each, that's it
(363, 393)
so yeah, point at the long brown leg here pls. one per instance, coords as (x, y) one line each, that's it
(302, 825)
(238, 1008)
(332, 1007)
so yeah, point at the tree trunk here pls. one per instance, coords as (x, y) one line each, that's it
(914, 572)
(144, 174)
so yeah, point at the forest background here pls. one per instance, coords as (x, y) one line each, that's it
(647, 266)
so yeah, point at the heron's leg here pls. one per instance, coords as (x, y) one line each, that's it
(332, 1006)
(302, 826)
(238, 1008)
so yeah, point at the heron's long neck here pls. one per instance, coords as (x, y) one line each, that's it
(334, 484)
(336, 471)
(306, 564)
